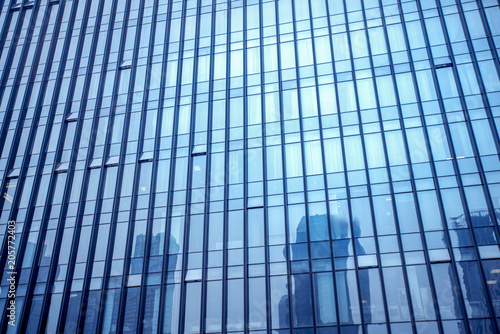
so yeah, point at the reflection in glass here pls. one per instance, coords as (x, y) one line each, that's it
(325, 302)
(420, 291)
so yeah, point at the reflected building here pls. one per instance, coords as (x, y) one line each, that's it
(301, 294)
(250, 166)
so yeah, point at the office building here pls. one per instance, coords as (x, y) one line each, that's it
(250, 166)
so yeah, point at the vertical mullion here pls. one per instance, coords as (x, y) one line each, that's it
(226, 171)
(86, 177)
(113, 224)
(473, 143)
(304, 169)
(188, 198)
(398, 230)
(264, 171)
(246, 279)
(172, 166)
(12, 94)
(70, 173)
(12, 212)
(77, 228)
(346, 175)
(138, 168)
(206, 214)
(283, 162)
(173, 162)
(490, 118)
(152, 185)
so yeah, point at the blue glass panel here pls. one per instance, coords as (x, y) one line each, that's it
(325, 302)
(302, 301)
(171, 310)
(448, 300)
(193, 303)
(256, 303)
(34, 316)
(235, 310)
(472, 290)
(131, 308)
(280, 308)
(92, 312)
(213, 318)
(74, 306)
(420, 292)
(150, 322)
(55, 306)
(347, 294)
(492, 273)
(483, 326)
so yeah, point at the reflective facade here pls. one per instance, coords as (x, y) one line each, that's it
(250, 166)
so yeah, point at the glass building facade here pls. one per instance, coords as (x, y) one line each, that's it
(250, 166)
